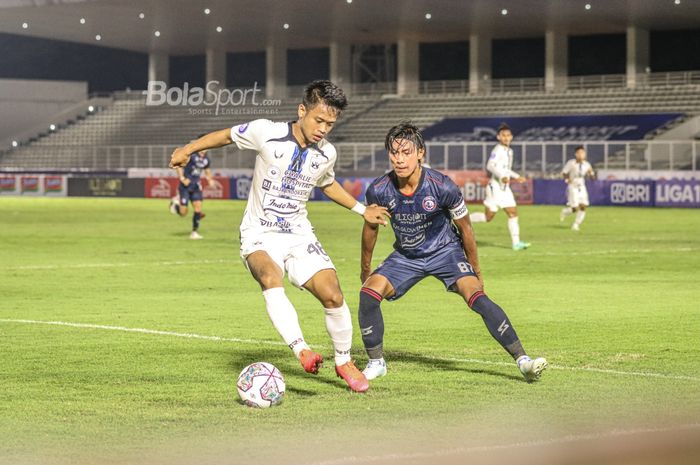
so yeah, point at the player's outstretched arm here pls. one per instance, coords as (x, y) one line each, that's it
(369, 240)
(181, 155)
(464, 225)
(373, 214)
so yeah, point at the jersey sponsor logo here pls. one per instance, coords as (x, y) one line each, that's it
(266, 184)
(277, 156)
(429, 203)
(280, 207)
(460, 210)
(412, 241)
(392, 204)
(242, 128)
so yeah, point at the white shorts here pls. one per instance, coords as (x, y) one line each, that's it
(498, 196)
(576, 196)
(299, 255)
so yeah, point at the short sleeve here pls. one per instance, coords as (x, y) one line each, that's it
(371, 195)
(329, 176)
(453, 200)
(567, 168)
(251, 135)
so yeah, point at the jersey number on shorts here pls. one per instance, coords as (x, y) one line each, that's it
(465, 267)
(316, 248)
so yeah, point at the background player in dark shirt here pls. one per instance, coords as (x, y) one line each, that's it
(434, 237)
(190, 189)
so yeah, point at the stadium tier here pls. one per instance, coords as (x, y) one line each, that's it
(129, 133)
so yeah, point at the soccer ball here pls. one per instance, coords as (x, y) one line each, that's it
(260, 384)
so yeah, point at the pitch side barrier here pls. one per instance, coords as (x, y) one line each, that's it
(668, 191)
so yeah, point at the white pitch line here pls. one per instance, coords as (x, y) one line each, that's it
(639, 374)
(115, 265)
(518, 445)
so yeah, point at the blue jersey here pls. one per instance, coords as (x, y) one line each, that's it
(422, 221)
(194, 168)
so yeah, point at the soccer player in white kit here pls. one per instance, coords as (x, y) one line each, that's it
(575, 173)
(276, 235)
(498, 192)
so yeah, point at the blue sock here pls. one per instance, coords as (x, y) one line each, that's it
(371, 322)
(497, 323)
(195, 221)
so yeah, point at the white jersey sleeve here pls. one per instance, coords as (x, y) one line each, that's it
(329, 175)
(568, 167)
(251, 135)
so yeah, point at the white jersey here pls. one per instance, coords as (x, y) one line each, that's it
(500, 163)
(576, 172)
(284, 178)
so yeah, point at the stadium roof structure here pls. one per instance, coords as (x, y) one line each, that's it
(183, 27)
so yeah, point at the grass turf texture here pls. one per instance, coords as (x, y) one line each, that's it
(621, 295)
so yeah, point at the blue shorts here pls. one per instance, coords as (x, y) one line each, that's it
(192, 192)
(448, 265)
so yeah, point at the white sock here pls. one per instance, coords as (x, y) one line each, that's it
(580, 215)
(477, 217)
(514, 228)
(567, 211)
(339, 326)
(284, 318)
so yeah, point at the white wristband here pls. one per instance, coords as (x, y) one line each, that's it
(359, 208)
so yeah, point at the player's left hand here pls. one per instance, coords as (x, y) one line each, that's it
(520, 179)
(179, 158)
(374, 214)
(213, 183)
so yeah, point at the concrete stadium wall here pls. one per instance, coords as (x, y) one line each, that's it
(25, 103)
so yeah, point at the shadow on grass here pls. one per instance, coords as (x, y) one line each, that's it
(449, 365)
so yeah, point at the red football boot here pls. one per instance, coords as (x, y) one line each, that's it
(354, 377)
(310, 360)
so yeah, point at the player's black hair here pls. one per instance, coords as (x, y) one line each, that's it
(580, 147)
(503, 127)
(407, 131)
(324, 91)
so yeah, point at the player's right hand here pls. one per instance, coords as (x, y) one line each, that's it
(179, 158)
(185, 182)
(374, 214)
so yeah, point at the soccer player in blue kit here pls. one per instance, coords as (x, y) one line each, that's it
(434, 237)
(190, 189)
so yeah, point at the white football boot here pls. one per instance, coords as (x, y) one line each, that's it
(173, 205)
(376, 368)
(196, 235)
(575, 227)
(531, 369)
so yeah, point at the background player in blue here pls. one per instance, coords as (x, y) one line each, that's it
(190, 189)
(434, 237)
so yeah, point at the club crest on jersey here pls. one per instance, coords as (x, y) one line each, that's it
(274, 172)
(242, 128)
(429, 203)
(315, 164)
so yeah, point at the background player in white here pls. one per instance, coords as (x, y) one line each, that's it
(276, 235)
(575, 173)
(498, 192)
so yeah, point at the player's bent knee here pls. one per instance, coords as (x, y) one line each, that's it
(468, 286)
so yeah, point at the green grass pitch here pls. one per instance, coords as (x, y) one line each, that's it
(615, 309)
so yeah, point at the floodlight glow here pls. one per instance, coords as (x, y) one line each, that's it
(428, 16)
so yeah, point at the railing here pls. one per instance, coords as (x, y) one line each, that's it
(541, 158)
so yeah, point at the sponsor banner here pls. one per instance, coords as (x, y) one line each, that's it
(33, 185)
(678, 193)
(239, 187)
(473, 184)
(105, 187)
(620, 193)
(166, 187)
(610, 175)
(9, 185)
(55, 185)
(30, 185)
(170, 173)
